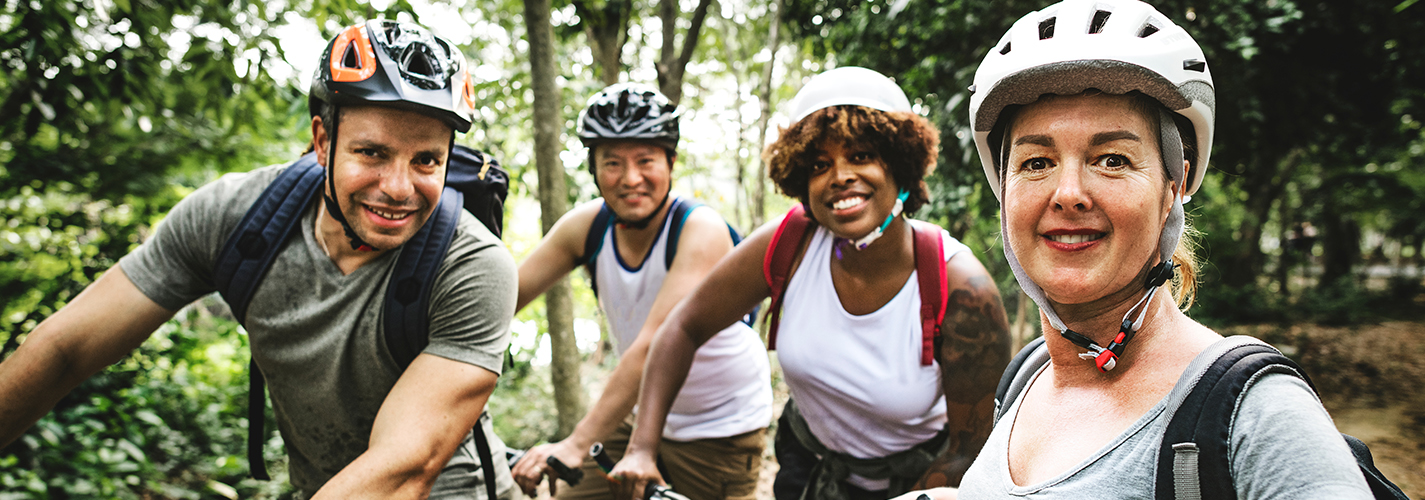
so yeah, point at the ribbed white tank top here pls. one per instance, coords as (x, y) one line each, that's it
(728, 390)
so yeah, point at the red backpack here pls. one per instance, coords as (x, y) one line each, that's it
(929, 267)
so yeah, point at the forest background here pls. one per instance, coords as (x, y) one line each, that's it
(1311, 215)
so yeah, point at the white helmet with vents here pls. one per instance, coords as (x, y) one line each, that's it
(848, 85)
(1115, 46)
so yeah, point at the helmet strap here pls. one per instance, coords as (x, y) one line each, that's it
(867, 240)
(328, 197)
(643, 223)
(1106, 358)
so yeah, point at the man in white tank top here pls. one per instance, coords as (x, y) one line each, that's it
(713, 440)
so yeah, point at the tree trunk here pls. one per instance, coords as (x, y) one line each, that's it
(553, 202)
(1263, 187)
(759, 192)
(739, 206)
(671, 66)
(1340, 241)
(607, 29)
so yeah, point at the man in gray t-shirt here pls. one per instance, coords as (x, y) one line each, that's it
(355, 423)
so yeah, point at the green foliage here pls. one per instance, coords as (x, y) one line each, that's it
(56, 241)
(119, 94)
(165, 422)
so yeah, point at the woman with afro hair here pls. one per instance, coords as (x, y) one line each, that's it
(881, 405)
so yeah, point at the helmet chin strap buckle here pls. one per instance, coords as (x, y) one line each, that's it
(1161, 273)
(866, 240)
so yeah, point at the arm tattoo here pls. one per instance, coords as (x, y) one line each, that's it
(973, 352)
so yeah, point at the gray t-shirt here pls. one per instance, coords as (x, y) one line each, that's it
(1283, 445)
(317, 334)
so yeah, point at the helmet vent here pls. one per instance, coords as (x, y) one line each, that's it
(1099, 19)
(1195, 65)
(1148, 29)
(1005, 50)
(1046, 29)
(351, 57)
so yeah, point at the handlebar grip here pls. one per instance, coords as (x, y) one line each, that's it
(571, 476)
(660, 492)
(601, 457)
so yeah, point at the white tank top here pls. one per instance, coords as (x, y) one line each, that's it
(858, 380)
(728, 390)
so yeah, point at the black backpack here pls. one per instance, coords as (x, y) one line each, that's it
(1192, 461)
(474, 182)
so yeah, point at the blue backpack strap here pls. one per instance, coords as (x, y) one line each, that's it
(406, 309)
(679, 215)
(594, 242)
(249, 251)
(679, 212)
(243, 262)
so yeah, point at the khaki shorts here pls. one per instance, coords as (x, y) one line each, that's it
(705, 469)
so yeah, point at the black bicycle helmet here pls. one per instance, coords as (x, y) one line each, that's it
(629, 111)
(392, 64)
(401, 65)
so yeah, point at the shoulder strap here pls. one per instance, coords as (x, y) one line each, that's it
(1181, 474)
(244, 259)
(777, 264)
(487, 459)
(679, 213)
(1016, 375)
(243, 262)
(405, 312)
(594, 243)
(1192, 460)
(934, 285)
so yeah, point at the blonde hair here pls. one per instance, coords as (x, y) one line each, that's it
(1184, 282)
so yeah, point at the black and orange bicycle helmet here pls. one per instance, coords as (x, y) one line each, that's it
(401, 65)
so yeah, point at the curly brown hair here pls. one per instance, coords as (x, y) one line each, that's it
(907, 142)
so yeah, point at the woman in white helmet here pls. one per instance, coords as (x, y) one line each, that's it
(882, 405)
(1094, 120)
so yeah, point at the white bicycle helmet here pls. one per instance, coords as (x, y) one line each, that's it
(848, 85)
(1116, 46)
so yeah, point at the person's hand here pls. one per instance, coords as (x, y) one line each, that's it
(633, 473)
(532, 467)
(931, 494)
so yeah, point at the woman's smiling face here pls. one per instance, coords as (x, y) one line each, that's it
(1085, 194)
(850, 190)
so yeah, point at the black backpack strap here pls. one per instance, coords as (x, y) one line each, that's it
(1192, 460)
(487, 459)
(243, 262)
(1201, 424)
(1016, 376)
(1380, 486)
(406, 310)
(594, 242)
